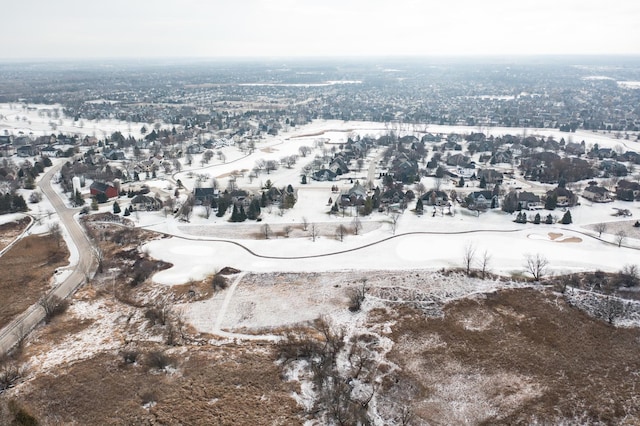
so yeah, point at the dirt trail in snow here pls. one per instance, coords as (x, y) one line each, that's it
(223, 310)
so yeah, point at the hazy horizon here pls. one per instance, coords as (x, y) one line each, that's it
(281, 29)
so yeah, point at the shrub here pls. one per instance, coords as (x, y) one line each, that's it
(130, 356)
(356, 296)
(158, 360)
(10, 374)
(219, 282)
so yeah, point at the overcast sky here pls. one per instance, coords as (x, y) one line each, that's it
(60, 29)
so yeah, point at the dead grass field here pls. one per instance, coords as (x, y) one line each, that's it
(516, 357)
(26, 273)
(222, 386)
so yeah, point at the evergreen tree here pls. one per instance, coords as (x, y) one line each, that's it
(461, 183)
(234, 214)
(368, 206)
(549, 220)
(116, 208)
(551, 202)
(29, 183)
(254, 209)
(289, 200)
(303, 180)
(536, 219)
(223, 205)
(126, 212)
(238, 214)
(263, 200)
(510, 202)
(483, 182)
(566, 219)
(78, 200)
(334, 208)
(101, 197)
(5, 203)
(19, 204)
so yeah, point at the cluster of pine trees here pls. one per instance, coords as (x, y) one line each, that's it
(12, 203)
(537, 219)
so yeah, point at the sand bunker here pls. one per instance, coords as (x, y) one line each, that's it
(555, 237)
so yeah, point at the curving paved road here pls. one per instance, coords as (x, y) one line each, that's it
(81, 271)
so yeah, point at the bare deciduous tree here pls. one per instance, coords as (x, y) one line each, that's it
(207, 208)
(621, 236)
(305, 223)
(484, 263)
(304, 150)
(357, 226)
(314, 232)
(395, 217)
(468, 257)
(537, 266)
(266, 231)
(52, 306)
(600, 228)
(56, 233)
(341, 231)
(286, 230)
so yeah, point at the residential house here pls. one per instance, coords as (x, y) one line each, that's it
(49, 151)
(597, 194)
(564, 197)
(357, 190)
(204, 195)
(113, 154)
(613, 168)
(26, 151)
(338, 166)
(529, 201)
(146, 203)
(501, 157)
(491, 176)
(324, 175)
(430, 137)
(628, 191)
(482, 200)
(405, 169)
(435, 198)
(457, 160)
(632, 157)
(576, 149)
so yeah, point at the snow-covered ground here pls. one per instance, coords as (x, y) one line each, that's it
(40, 120)
(441, 244)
